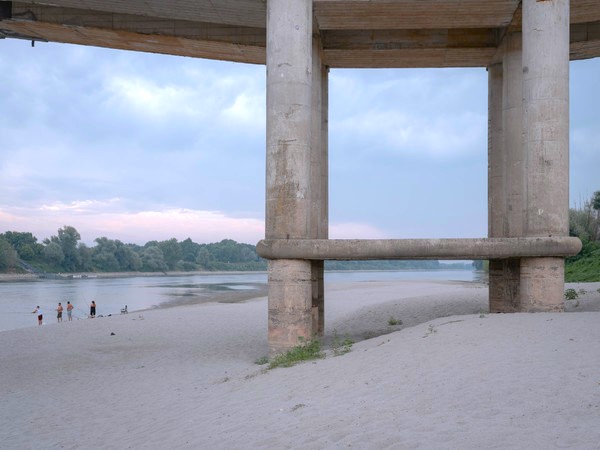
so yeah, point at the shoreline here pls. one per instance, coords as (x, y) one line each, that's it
(8, 277)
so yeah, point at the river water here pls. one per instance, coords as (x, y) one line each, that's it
(19, 298)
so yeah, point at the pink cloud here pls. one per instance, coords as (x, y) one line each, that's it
(138, 228)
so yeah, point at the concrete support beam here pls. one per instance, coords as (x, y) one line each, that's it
(546, 140)
(365, 249)
(288, 177)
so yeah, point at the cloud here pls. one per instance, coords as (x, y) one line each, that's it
(95, 219)
(148, 99)
(399, 134)
(154, 130)
(248, 109)
(435, 115)
(81, 206)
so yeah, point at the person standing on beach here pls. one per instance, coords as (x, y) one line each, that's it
(69, 311)
(93, 309)
(40, 315)
(59, 311)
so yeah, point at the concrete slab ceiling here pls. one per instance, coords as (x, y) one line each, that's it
(355, 33)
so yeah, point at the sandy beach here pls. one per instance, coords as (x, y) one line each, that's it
(448, 376)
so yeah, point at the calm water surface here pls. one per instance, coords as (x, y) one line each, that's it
(19, 299)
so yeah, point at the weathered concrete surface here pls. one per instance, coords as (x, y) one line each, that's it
(512, 117)
(546, 141)
(496, 179)
(289, 104)
(288, 184)
(290, 304)
(319, 178)
(504, 285)
(507, 170)
(546, 116)
(365, 249)
(496, 155)
(542, 284)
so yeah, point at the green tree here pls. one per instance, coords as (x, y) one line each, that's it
(127, 257)
(171, 252)
(583, 222)
(596, 201)
(189, 250)
(153, 259)
(596, 206)
(203, 257)
(9, 259)
(25, 244)
(54, 254)
(67, 240)
(105, 255)
(85, 257)
(114, 256)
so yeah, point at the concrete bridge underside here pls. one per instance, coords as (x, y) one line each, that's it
(525, 45)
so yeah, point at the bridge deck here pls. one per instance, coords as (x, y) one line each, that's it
(355, 33)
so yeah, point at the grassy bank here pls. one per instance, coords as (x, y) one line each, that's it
(585, 266)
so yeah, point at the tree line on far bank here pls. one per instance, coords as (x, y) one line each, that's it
(21, 252)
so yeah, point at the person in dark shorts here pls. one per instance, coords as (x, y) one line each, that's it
(40, 315)
(93, 309)
(59, 312)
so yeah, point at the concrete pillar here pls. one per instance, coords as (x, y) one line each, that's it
(288, 194)
(508, 178)
(319, 179)
(496, 186)
(496, 159)
(546, 140)
(507, 172)
(514, 150)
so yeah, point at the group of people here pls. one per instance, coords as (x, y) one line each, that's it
(59, 312)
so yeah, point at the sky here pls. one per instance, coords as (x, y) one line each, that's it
(139, 147)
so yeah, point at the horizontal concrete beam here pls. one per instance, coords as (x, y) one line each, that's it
(364, 249)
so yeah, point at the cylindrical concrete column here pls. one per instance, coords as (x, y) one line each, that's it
(501, 277)
(514, 150)
(508, 220)
(290, 319)
(496, 154)
(288, 196)
(319, 180)
(546, 140)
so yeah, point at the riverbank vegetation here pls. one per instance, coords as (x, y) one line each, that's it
(20, 252)
(584, 222)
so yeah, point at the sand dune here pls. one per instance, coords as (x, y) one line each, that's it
(450, 376)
